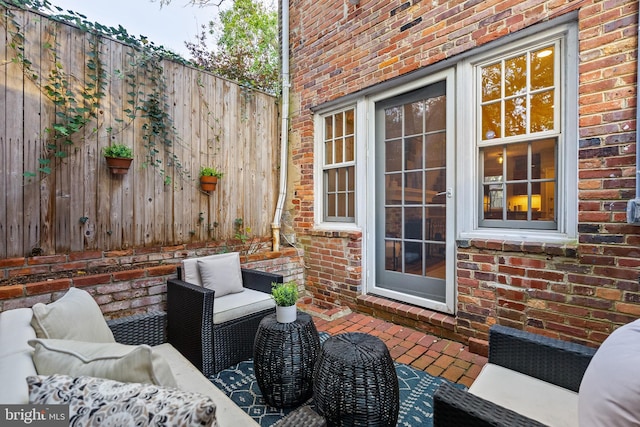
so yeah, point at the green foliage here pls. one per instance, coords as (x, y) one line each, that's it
(246, 46)
(285, 294)
(77, 108)
(208, 171)
(118, 150)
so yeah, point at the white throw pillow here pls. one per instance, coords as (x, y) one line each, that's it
(119, 362)
(75, 316)
(221, 273)
(610, 389)
(97, 401)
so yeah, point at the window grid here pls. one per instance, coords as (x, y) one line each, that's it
(339, 166)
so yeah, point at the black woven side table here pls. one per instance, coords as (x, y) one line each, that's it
(355, 382)
(284, 355)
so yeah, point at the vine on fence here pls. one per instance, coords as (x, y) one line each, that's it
(75, 109)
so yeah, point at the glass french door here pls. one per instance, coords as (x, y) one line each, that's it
(413, 193)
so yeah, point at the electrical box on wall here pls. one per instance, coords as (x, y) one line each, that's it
(633, 211)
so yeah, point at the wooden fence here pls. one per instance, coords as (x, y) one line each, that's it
(50, 72)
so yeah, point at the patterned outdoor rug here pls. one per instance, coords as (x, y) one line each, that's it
(416, 394)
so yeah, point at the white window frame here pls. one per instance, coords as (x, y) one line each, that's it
(468, 187)
(359, 161)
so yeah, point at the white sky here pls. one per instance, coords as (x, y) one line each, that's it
(170, 26)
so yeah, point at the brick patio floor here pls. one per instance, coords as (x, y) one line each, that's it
(439, 357)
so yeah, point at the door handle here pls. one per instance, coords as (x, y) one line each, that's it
(449, 193)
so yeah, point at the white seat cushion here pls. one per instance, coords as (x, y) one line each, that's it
(189, 378)
(234, 306)
(544, 402)
(16, 362)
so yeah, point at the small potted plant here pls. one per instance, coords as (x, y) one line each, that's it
(285, 295)
(118, 157)
(209, 178)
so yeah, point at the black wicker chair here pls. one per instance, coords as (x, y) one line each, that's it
(558, 362)
(147, 328)
(210, 347)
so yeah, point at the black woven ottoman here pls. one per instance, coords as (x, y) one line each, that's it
(355, 382)
(284, 355)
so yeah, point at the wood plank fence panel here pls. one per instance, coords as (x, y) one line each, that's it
(80, 205)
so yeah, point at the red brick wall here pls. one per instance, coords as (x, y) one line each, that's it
(580, 292)
(122, 282)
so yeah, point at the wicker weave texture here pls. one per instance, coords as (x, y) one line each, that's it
(554, 361)
(304, 416)
(453, 407)
(147, 328)
(283, 359)
(355, 382)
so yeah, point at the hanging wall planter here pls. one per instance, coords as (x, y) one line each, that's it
(118, 158)
(209, 178)
(208, 183)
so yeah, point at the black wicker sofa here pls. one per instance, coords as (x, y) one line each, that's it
(550, 360)
(209, 346)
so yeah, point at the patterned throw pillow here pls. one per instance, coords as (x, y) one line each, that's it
(97, 401)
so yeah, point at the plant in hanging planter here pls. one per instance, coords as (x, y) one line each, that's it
(118, 157)
(209, 178)
(285, 295)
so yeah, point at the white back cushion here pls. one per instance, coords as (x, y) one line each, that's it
(75, 316)
(220, 272)
(610, 389)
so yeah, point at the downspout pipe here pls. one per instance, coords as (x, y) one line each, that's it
(633, 206)
(284, 130)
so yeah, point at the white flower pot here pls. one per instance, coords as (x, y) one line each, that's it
(286, 314)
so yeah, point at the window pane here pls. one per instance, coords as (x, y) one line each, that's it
(350, 122)
(393, 122)
(515, 76)
(544, 155)
(516, 161)
(491, 82)
(349, 147)
(393, 155)
(351, 179)
(542, 67)
(491, 121)
(542, 111)
(339, 126)
(342, 204)
(328, 153)
(339, 151)
(515, 115)
(493, 163)
(413, 153)
(328, 128)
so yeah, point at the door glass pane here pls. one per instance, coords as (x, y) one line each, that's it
(413, 257)
(393, 227)
(393, 122)
(413, 118)
(393, 189)
(393, 155)
(413, 188)
(413, 153)
(435, 147)
(413, 223)
(436, 114)
(435, 186)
